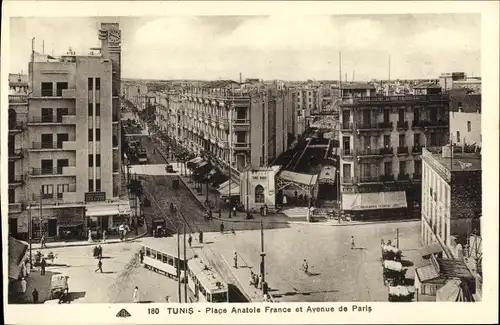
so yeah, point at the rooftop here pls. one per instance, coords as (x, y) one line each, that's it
(427, 85)
(220, 84)
(460, 161)
(357, 85)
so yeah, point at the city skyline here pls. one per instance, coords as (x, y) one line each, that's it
(192, 47)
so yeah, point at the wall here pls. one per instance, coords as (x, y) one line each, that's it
(263, 177)
(459, 123)
(466, 199)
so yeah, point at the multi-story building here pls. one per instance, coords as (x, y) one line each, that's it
(381, 140)
(451, 199)
(465, 117)
(244, 127)
(68, 141)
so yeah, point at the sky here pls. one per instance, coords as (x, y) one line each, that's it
(282, 47)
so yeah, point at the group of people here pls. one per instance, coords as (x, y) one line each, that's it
(256, 280)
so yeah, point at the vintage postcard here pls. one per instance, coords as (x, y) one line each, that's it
(249, 162)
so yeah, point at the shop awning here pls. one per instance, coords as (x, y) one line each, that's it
(223, 185)
(17, 252)
(211, 174)
(373, 201)
(201, 164)
(235, 190)
(102, 210)
(124, 209)
(299, 178)
(430, 249)
(194, 162)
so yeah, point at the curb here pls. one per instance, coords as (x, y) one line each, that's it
(354, 223)
(249, 297)
(97, 243)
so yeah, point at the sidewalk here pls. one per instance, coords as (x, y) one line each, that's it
(143, 232)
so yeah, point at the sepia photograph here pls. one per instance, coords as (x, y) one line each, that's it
(243, 158)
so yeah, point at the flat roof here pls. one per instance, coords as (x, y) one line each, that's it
(167, 246)
(460, 161)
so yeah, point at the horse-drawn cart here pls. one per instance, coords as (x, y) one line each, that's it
(391, 253)
(393, 272)
(401, 293)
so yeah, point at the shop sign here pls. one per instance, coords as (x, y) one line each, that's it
(95, 196)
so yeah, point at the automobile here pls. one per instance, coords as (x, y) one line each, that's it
(58, 285)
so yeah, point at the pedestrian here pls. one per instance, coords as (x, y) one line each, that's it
(141, 255)
(256, 280)
(24, 284)
(260, 282)
(234, 211)
(261, 211)
(90, 235)
(220, 213)
(167, 299)
(190, 240)
(265, 209)
(136, 295)
(100, 251)
(28, 266)
(200, 237)
(222, 227)
(35, 296)
(235, 258)
(99, 266)
(352, 242)
(104, 236)
(43, 264)
(42, 242)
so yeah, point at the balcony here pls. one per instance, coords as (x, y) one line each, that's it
(403, 177)
(15, 207)
(241, 124)
(347, 180)
(417, 177)
(416, 150)
(388, 151)
(54, 171)
(15, 180)
(241, 146)
(387, 178)
(403, 151)
(54, 145)
(51, 119)
(18, 99)
(386, 126)
(417, 124)
(369, 179)
(435, 124)
(16, 127)
(347, 153)
(402, 125)
(346, 127)
(364, 126)
(366, 153)
(116, 168)
(15, 154)
(67, 93)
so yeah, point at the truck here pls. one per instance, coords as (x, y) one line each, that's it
(142, 156)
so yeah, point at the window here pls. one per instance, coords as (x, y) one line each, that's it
(418, 167)
(402, 140)
(47, 89)
(458, 136)
(91, 84)
(97, 185)
(97, 109)
(347, 145)
(259, 194)
(147, 251)
(97, 134)
(416, 140)
(91, 185)
(346, 170)
(61, 188)
(91, 109)
(91, 160)
(402, 167)
(97, 83)
(388, 168)
(386, 116)
(98, 160)
(47, 191)
(60, 86)
(91, 135)
(387, 141)
(47, 115)
(159, 256)
(401, 115)
(469, 126)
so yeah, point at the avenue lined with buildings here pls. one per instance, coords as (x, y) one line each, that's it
(300, 188)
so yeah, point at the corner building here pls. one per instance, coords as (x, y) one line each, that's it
(72, 166)
(381, 139)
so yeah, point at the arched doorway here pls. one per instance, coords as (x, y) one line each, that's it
(259, 194)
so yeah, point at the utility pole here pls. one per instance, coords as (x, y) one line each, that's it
(185, 266)
(397, 238)
(262, 254)
(41, 215)
(30, 232)
(179, 265)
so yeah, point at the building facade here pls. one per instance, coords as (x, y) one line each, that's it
(381, 140)
(71, 135)
(465, 117)
(451, 199)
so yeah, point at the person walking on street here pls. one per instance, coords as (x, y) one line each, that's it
(256, 280)
(43, 264)
(35, 296)
(234, 211)
(260, 282)
(220, 213)
(222, 227)
(136, 295)
(141, 256)
(200, 237)
(235, 258)
(104, 236)
(99, 251)
(352, 242)
(99, 266)
(190, 240)
(42, 242)
(24, 285)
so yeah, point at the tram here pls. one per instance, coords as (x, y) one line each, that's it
(161, 257)
(206, 284)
